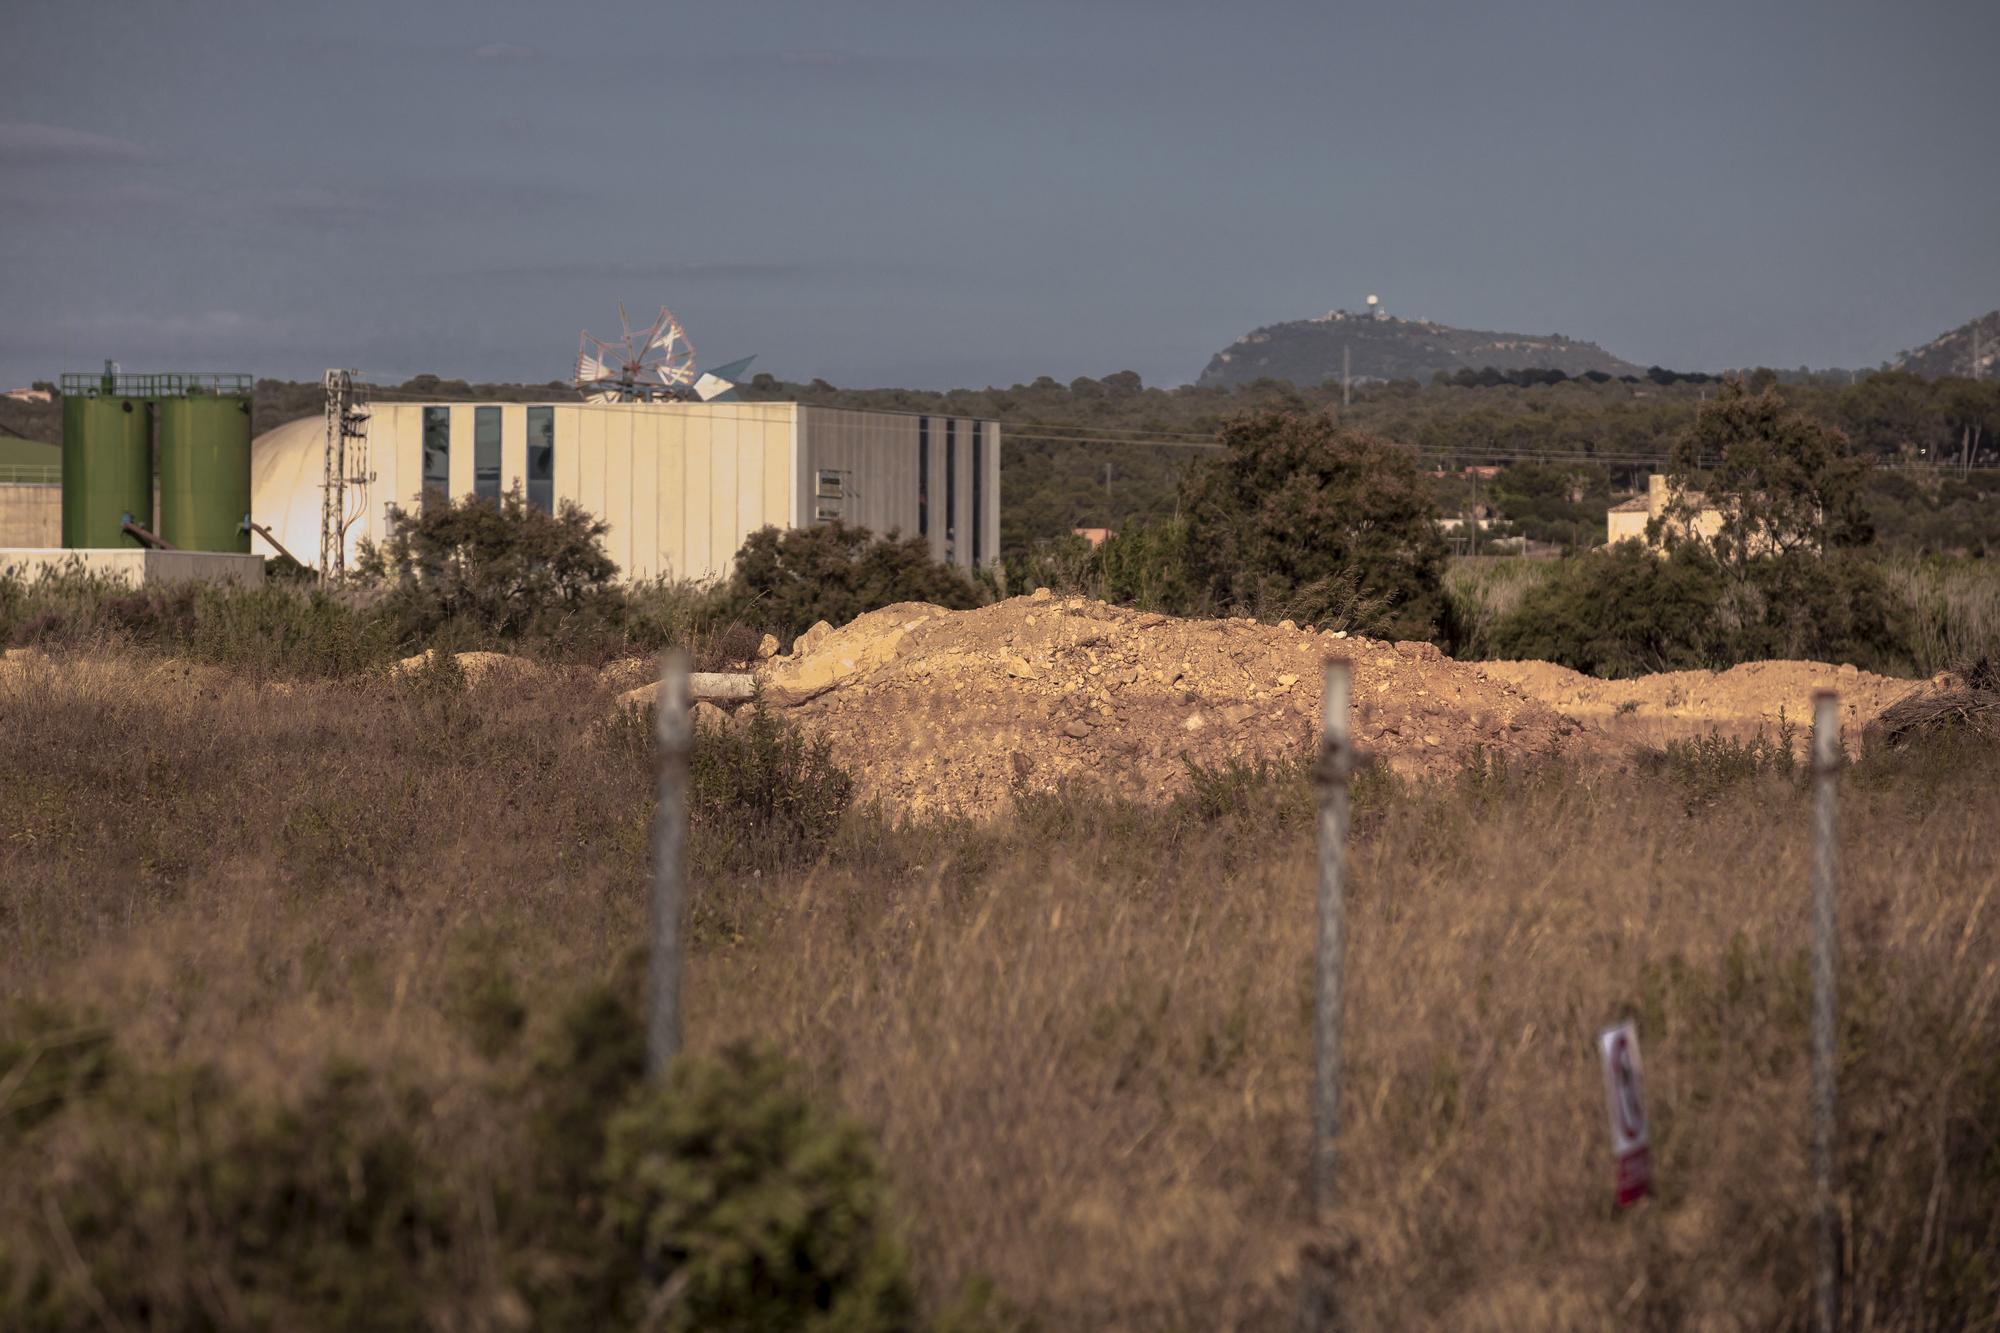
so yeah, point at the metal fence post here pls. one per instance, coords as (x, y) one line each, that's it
(1318, 1308)
(1336, 764)
(676, 734)
(1825, 770)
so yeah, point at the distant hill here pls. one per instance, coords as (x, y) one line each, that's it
(1951, 353)
(1307, 352)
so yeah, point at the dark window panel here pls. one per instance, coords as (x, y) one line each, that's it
(486, 452)
(542, 459)
(437, 458)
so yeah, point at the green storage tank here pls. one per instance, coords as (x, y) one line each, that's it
(205, 472)
(107, 470)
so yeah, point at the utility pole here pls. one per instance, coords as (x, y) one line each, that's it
(1346, 380)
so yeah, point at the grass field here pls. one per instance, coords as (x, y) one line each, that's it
(1077, 1038)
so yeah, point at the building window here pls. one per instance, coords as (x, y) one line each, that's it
(542, 459)
(923, 476)
(486, 452)
(950, 486)
(830, 495)
(437, 458)
(978, 475)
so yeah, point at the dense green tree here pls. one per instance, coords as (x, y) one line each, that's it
(1782, 481)
(1300, 516)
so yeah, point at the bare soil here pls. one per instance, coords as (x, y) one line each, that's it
(1679, 704)
(949, 712)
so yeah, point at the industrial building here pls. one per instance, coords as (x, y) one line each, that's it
(680, 484)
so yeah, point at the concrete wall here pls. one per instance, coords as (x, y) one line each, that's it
(875, 459)
(30, 515)
(137, 566)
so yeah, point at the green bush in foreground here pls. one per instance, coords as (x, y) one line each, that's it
(766, 1212)
(723, 1200)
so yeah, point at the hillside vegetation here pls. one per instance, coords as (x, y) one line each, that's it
(1309, 352)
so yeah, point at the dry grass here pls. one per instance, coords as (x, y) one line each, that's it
(1081, 1035)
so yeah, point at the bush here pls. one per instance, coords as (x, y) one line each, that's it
(1627, 612)
(759, 1210)
(1624, 612)
(183, 1207)
(169, 1199)
(762, 796)
(1301, 517)
(790, 580)
(500, 567)
(274, 628)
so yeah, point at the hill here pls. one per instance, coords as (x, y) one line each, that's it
(1953, 353)
(1307, 352)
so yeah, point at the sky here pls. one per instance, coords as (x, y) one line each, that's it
(934, 194)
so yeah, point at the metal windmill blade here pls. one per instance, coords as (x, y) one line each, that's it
(642, 365)
(669, 351)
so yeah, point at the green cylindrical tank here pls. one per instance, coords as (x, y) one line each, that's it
(107, 470)
(205, 472)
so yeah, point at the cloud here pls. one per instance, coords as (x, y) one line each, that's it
(590, 270)
(501, 53)
(814, 59)
(23, 144)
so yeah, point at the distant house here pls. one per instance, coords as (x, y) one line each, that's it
(1095, 536)
(1629, 519)
(1626, 520)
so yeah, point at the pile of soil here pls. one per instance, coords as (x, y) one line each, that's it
(947, 712)
(1734, 702)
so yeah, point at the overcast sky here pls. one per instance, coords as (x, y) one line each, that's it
(932, 194)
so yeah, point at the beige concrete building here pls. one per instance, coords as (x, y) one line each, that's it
(681, 485)
(1627, 521)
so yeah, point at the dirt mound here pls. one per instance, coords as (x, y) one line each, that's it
(947, 711)
(1736, 701)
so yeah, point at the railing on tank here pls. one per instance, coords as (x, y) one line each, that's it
(30, 474)
(170, 384)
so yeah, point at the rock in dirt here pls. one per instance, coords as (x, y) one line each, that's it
(475, 667)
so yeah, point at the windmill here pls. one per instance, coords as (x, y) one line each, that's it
(643, 365)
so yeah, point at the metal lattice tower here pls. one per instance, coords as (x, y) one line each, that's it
(346, 467)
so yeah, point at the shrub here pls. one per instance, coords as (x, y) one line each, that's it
(276, 627)
(183, 1207)
(1626, 612)
(1301, 517)
(756, 1209)
(762, 796)
(501, 567)
(789, 580)
(1623, 612)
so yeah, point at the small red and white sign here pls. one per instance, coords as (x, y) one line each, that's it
(1630, 1141)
